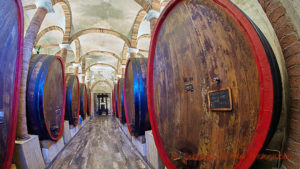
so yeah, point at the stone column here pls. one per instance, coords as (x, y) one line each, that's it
(76, 68)
(132, 52)
(152, 17)
(43, 7)
(64, 51)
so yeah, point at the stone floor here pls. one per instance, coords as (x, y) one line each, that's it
(99, 145)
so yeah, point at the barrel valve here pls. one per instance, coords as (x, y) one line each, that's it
(217, 79)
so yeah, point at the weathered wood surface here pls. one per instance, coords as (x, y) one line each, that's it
(11, 45)
(212, 46)
(99, 145)
(89, 101)
(83, 100)
(135, 96)
(116, 100)
(120, 101)
(72, 99)
(45, 99)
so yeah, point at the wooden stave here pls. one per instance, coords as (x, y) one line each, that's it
(14, 6)
(116, 101)
(120, 101)
(35, 96)
(70, 80)
(113, 103)
(156, 134)
(88, 102)
(83, 101)
(140, 110)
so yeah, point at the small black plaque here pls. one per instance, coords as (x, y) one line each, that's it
(1, 116)
(220, 100)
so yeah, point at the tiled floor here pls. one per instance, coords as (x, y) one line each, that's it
(99, 145)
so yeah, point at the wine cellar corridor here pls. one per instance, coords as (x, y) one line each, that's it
(150, 84)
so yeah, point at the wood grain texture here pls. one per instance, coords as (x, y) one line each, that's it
(29, 40)
(196, 42)
(45, 97)
(89, 101)
(116, 100)
(120, 101)
(11, 45)
(99, 145)
(83, 100)
(72, 99)
(135, 96)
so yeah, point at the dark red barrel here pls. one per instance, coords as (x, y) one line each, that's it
(135, 96)
(72, 99)
(83, 101)
(116, 100)
(214, 88)
(120, 100)
(11, 45)
(89, 102)
(45, 97)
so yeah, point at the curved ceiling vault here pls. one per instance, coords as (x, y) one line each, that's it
(121, 19)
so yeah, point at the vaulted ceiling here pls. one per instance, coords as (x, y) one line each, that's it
(99, 33)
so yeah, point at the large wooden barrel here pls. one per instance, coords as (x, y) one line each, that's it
(83, 100)
(72, 99)
(135, 96)
(11, 45)
(113, 103)
(89, 101)
(213, 89)
(116, 100)
(45, 97)
(120, 100)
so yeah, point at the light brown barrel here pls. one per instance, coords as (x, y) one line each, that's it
(214, 89)
(83, 101)
(72, 99)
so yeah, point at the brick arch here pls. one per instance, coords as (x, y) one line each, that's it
(46, 30)
(144, 36)
(68, 18)
(95, 52)
(290, 44)
(78, 49)
(101, 81)
(136, 26)
(156, 5)
(100, 30)
(101, 64)
(164, 3)
(144, 4)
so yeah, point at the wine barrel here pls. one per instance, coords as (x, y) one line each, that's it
(83, 100)
(113, 103)
(120, 100)
(45, 97)
(72, 99)
(211, 86)
(89, 99)
(116, 100)
(11, 45)
(135, 96)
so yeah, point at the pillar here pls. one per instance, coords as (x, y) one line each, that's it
(152, 17)
(132, 52)
(64, 51)
(43, 7)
